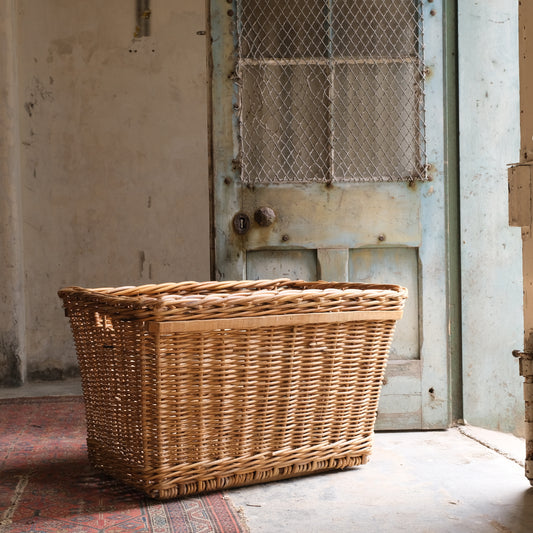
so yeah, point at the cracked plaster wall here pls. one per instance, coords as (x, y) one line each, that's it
(106, 162)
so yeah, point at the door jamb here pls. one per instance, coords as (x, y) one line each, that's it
(453, 213)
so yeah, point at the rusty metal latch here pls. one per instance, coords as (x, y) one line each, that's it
(526, 370)
(526, 363)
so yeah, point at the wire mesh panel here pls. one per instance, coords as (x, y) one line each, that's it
(330, 90)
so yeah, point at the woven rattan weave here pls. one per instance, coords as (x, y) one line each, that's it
(191, 387)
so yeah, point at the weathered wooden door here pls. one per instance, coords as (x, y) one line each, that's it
(327, 164)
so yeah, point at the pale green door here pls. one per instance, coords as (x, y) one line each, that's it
(327, 164)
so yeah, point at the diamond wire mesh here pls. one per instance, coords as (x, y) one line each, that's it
(330, 90)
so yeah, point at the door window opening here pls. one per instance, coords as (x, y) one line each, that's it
(330, 91)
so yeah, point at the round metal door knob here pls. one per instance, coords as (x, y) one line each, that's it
(265, 216)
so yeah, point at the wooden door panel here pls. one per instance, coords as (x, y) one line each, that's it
(401, 401)
(399, 266)
(273, 264)
(401, 398)
(315, 215)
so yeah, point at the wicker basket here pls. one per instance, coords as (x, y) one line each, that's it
(191, 387)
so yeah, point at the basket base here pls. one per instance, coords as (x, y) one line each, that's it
(168, 490)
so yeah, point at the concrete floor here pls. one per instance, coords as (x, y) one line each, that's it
(67, 387)
(464, 479)
(417, 482)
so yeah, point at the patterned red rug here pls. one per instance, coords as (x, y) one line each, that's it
(47, 484)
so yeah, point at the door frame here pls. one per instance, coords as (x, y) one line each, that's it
(453, 211)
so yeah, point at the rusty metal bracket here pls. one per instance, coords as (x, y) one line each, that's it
(143, 15)
(519, 180)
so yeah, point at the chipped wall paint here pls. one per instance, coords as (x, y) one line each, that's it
(114, 162)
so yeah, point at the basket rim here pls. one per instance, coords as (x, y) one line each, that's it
(155, 293)
(220, 286)
(160, 301)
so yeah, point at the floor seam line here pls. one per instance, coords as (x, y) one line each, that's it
(490, 447)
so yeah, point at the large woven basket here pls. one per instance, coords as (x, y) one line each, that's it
(191, 387)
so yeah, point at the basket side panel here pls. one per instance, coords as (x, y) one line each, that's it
(111, 354)
(250, 401)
